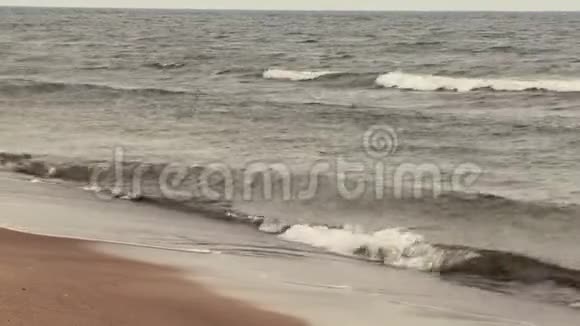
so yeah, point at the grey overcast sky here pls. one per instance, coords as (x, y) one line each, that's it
(519, 5)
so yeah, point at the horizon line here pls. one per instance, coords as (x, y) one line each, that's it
(300, 10)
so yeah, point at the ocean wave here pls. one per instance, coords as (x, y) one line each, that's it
(293, 75)
(504, 266)
(427, 83)
(326, 78)
(393, 247)
(82, 170)
(419, 82)
(402, 248)
(15, 87)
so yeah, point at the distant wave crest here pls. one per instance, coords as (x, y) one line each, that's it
(419, 82)
(292, 75)
(429, 83)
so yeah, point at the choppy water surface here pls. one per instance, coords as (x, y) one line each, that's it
(495, 91)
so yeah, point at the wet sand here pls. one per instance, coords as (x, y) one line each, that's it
(50, 281)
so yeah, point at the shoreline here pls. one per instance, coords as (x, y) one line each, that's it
(58, 281)
(322, 292)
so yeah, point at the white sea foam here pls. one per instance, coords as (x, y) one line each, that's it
(433, 83)
(394, 247)
(272, 226)
(295, 75)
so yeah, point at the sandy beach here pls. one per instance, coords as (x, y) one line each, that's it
(50, 281)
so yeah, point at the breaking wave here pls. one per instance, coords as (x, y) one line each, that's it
(428, 83)
(417, 82)
(393, 247)
(402, 248)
